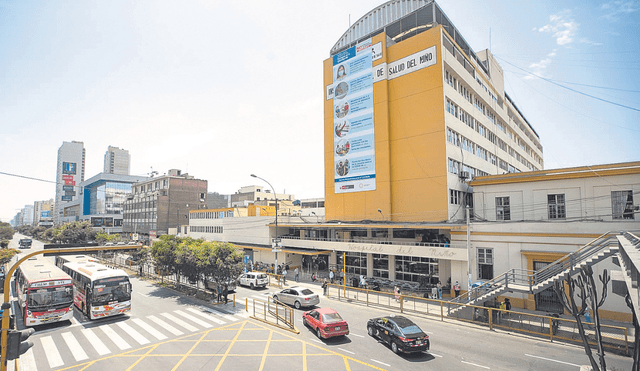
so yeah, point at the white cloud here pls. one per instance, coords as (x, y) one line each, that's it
(613, 9)
(540, 67)
(562, 26)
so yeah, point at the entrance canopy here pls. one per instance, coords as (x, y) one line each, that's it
(290, 250)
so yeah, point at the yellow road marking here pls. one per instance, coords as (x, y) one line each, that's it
(231, 346)
(266, 349)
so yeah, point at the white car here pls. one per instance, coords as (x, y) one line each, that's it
(253, 280)
(298, 297)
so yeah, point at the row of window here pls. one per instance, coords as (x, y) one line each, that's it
(622, 206)
(455, 167)
(151, 186)
(141, 205)
(206, 228)
(211, 215)
(460, 198)
(469, 146)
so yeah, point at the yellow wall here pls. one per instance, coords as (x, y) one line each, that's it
(411, 163)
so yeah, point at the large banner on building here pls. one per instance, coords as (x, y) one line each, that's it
(353, 135)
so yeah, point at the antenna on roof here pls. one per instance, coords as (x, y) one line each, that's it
(349, 20)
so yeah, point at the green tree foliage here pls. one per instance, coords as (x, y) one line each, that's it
(103, 237)
(74, 232)
(6, 255)
(6, 231)
(197, 259)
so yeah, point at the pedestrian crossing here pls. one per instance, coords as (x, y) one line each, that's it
(64, 348)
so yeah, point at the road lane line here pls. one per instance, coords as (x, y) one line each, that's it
(356, 335)
(133, 333)
(117, 340)
(219, 314)
(207, 316)
(50, 350)
(193, 319)
(317, 341)
(344, 350)
(145, 326)
(552, 360)
(382, 363)
(166, 326)
(95, 342)
(28, 361)
(436, 355)
(473, 364)
(179, 322)
(75, 347)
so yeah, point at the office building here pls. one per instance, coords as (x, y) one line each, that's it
(70, 173)
(117, 161)
(43, 213)
(412, 114)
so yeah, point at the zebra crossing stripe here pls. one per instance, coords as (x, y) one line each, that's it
(95, 342)
(75, 348)
(117, 340)
(157, 334)
(50, 350)
(218, 313)
(209, 317)
(193, 319)
(28, 361)
(179, 322)
(133, 333)
(166, 326)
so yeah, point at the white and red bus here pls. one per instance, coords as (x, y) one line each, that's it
(45, 292)
(99, 291)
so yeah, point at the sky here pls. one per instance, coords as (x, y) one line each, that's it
(225, 89)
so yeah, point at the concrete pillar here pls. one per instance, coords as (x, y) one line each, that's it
(369, 263)
(392, 267)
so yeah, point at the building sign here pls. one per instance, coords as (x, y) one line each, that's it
(447, 253)
(401, 67)
(353, 144)
(69, 168)
(66, 198)
(45, 214)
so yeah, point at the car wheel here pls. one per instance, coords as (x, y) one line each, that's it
(297, 304)
(318, 333)
(394, 347)
(371, 331)
(251, 286)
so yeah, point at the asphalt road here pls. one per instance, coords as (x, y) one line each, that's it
(167, 331)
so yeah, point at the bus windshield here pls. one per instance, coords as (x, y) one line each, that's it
(110, 290)
(42, 299)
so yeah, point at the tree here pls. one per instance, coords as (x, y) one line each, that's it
(6, 255)
(588, 298)
(222, 263)
(163, 252)
(6, 231)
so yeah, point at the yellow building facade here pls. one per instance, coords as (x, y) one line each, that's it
(440, 117)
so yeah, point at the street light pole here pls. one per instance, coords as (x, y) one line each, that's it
(276, 196)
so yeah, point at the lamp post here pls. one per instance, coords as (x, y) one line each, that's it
(276, 196)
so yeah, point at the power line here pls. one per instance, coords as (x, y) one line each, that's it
(568, 88)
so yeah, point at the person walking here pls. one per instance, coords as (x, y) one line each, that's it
(363, 282)
(396, 292)
(284, 277)
(225, 293)
(331, 276)
(219, 293)
(456, 288)
(324, 287)
(439, 286)
(297, 274)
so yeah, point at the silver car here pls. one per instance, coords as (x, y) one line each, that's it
(298, 297)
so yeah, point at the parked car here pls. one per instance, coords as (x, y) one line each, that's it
(253, 279)
(326, 322)
(298, 297)
(25, 243)
(400, 333)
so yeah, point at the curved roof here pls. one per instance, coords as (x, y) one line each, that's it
(377, 19)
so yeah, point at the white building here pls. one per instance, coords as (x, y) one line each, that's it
(117, 161)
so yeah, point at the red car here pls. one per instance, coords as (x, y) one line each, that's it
(326, 322)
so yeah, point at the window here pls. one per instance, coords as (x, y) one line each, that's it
(454, 197)
(556, 206)
(454, 166)
(485, 264)
(503, 211)
(622, 204)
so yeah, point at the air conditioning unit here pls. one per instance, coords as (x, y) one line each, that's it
(464, 175)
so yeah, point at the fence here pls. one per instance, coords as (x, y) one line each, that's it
(613, 337)
(271, 311)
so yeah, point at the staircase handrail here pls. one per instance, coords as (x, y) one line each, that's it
(574, 258)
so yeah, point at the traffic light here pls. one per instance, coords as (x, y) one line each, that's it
(17, 342)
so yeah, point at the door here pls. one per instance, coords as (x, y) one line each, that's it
(547, 300)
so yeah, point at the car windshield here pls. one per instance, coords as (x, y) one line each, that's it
(261, 276)
(306, 292)
(109, 290)
(48, 298)
(331, 317)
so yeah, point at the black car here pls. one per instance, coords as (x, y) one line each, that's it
(400, 333)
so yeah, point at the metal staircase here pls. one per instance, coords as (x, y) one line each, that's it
(533, 282)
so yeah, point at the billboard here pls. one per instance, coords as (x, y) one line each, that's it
(45, 214)
(353, 135)
(69, 168)
(67, 198)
